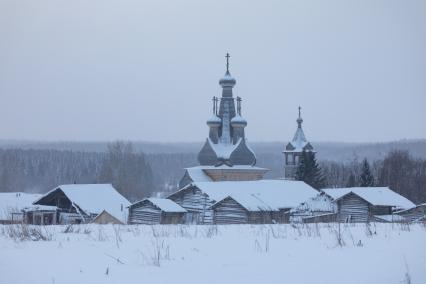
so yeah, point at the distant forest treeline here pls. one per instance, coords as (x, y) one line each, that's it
(33, 167)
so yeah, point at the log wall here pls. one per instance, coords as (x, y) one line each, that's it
(145, 213)
(352, 208)
(196, 203)
(230, 212)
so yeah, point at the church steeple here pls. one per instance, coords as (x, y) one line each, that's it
(294, 149)
(227, 129)
(225, 155)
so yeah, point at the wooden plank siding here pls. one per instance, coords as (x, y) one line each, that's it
(196, 203)
(352, 208)
(228, 211)
(145, 213)
(380, 210)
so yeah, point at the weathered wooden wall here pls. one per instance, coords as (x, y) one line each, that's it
(172, 218)
(196, 203)
(144, 213)
(352, 208)
(380, 210)
(230, 212)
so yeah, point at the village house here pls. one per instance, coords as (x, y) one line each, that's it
(357, 204)
(78, 203)
(260, 201)
(156, 211)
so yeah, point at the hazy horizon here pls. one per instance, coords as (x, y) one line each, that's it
(146, 71)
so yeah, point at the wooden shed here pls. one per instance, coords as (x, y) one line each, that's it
(246, 210)
(365, 204)
(156, 211)
(414, 214)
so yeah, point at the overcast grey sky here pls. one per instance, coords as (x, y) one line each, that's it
(146, 70)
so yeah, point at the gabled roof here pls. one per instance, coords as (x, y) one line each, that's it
(378, 196)
(106, 218)
(93, 199)
(257, 195)
(163, 204)
(15, 202)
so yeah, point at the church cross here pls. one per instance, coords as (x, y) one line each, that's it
(299, 110)
(227, 62)
(239, 105)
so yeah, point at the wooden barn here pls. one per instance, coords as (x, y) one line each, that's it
(77, 203)
(414, 214)
(249, 210)
(365, 204)
(262, 201)
(156, 211)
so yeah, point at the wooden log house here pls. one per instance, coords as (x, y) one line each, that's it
(365, 204)
(156, 211)
(77, 203)
(260, 201)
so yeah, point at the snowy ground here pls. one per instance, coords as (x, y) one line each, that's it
(380, 253)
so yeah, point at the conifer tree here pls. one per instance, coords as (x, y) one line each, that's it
(366, 178)
(351, 181)
(309, 171)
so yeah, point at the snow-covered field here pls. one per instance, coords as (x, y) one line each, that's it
(378, 253)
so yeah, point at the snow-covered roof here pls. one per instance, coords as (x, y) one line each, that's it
(411, 208)
(214, 120)
(260, 194)
(299, 140)
(40, 208)
(238, 119)
(197, 174)
(379, 196)
(93, 199)
(318, 203)
(226, 167)
(224, 150)
(15, 202)
(166, 205)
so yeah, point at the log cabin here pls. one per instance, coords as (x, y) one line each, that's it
(264, 201)
(249, 210)
(156, 211)
(77, 203)
(365, 204)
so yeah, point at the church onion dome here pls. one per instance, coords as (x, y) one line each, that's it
(214, 121)
(227, 80)
(238, 120)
